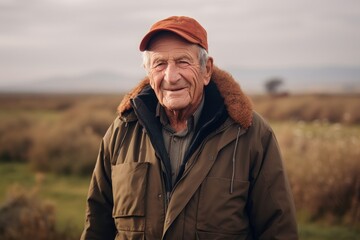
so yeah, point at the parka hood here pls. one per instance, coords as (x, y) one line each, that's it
(238, 105)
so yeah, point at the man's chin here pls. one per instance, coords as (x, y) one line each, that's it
(176, 104)
(175, 107)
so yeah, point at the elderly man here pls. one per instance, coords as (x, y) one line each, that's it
(187, 158)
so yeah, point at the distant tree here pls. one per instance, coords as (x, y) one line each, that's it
(272, 85)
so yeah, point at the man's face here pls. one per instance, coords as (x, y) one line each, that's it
(175, 73)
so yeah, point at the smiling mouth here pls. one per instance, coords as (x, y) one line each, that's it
(175, 89)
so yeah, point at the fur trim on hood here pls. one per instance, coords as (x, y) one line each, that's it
(237, 103)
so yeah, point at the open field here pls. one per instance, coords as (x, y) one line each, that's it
(320, 148)
(68, 195)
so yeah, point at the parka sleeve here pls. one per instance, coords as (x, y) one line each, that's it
(99, 223)
(271, 206)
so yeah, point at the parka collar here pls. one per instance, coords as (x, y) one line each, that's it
(238, 105)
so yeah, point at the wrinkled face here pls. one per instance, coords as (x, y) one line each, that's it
(175, 73)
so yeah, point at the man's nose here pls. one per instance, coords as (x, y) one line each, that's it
(171, 73)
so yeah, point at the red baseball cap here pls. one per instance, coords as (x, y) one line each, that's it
(186, 27)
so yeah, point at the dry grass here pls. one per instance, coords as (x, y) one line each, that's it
(70, 144)
(319, 136)
(23, 215)
(56, 133)
(323, 165)
(332, 108)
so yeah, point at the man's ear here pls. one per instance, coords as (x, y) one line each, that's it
(208, 70)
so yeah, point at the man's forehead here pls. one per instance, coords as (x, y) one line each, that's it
(167, 39)
(174, 53)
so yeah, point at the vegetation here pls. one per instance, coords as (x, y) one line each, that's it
(308, 108)
(322, 161)
(24, 216)
(48, 145)
(37, 197)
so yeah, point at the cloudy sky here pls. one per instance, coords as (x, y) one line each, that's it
(46, 38)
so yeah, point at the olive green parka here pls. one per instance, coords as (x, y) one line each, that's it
(232, 184)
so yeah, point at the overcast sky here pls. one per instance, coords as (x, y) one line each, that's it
(45, 38)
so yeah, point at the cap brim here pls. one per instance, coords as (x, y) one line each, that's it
(145, 41)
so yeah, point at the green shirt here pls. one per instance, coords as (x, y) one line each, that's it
(176, 143)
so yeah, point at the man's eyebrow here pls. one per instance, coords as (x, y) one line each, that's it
(157, 59)
(183, 56)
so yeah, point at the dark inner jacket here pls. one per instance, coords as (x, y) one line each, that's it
(210, 119)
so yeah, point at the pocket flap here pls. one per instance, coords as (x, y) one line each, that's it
(129, 182)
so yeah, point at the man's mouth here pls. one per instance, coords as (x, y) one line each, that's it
(175, 89)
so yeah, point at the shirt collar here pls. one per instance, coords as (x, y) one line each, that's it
(194, 119)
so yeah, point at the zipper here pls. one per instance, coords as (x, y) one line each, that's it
(126, 131)
(233, 162)
(165, 195)
(200, 151)
(193, 162)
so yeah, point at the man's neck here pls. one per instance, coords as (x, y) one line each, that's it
(178, 119)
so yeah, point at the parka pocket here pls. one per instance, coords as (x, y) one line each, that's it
(220, 211)
(129, 182)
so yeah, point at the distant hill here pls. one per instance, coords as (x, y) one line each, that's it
(96, 82)
(295, 80)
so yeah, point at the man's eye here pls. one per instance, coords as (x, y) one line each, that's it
(159, 66)
(183, 63)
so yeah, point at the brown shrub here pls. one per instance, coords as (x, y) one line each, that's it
(70, 145)
(331, 108)
(323, 167)
(15, 140)
(60, 133)
(65, 149)
(24, 216)
(93, 114)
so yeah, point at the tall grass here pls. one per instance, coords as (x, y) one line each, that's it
(66, 143)
(23, 215)
(330, 108)
(15, 139)
(64, 196)
(323, 165)
(319, 137)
